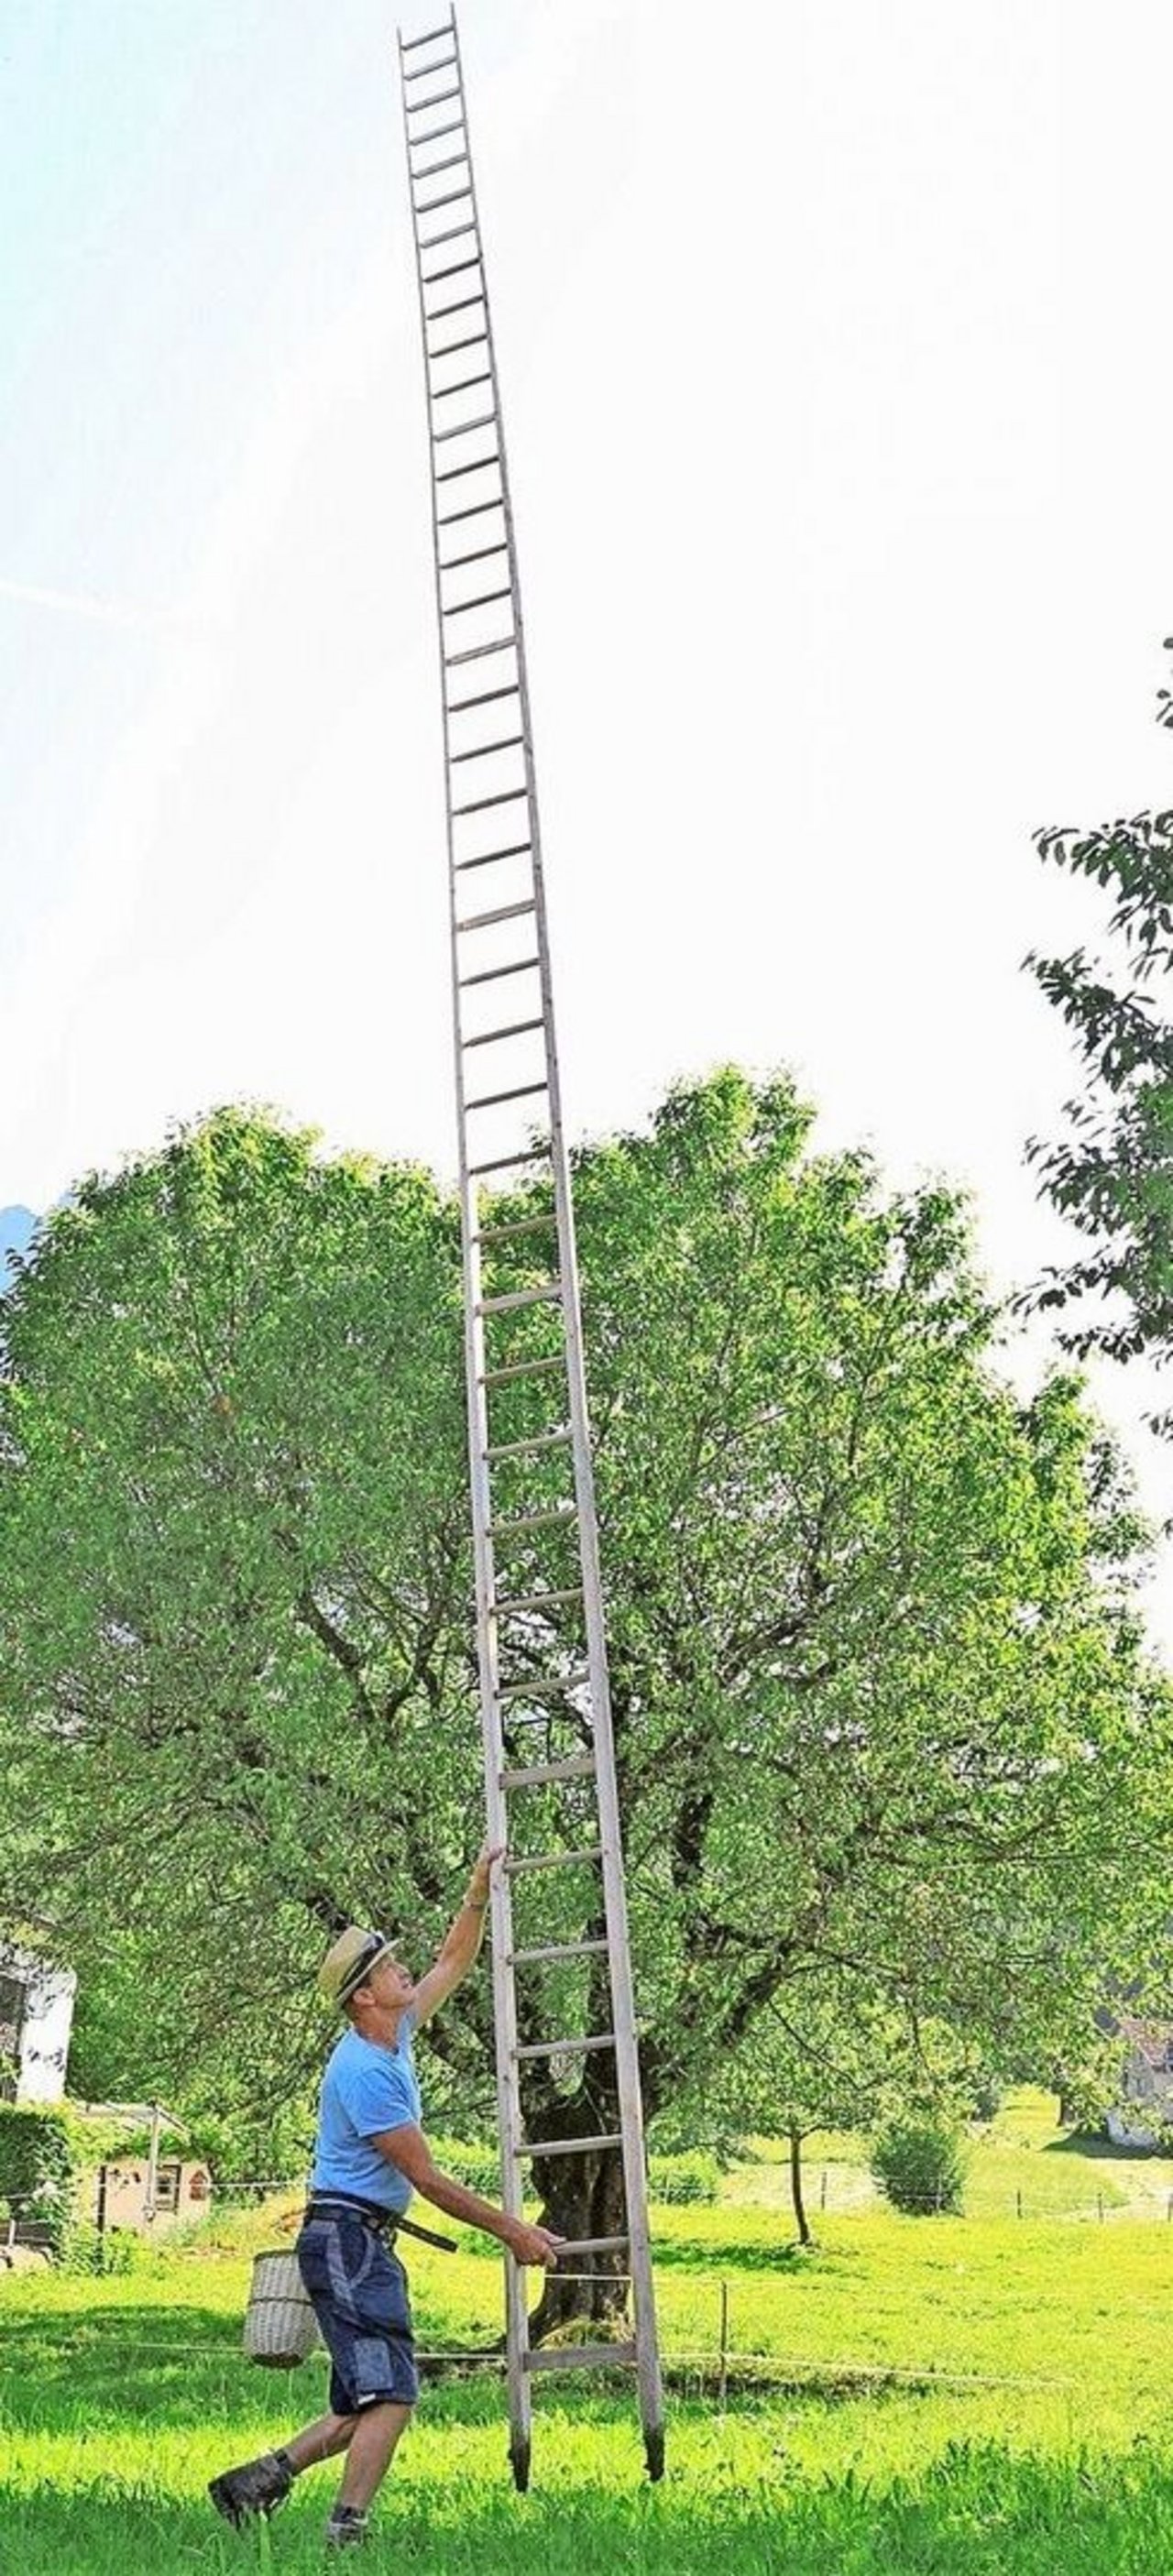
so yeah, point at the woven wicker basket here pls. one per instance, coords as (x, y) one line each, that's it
(280, 2328)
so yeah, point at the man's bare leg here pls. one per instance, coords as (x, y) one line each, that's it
(372, 2439)
(319, 2441)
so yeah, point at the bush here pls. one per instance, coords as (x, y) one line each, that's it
(39, 2166)
(118, 2250)
(692, 2177)
(919, 2166)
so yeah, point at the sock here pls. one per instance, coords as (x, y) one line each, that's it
(284, 2462)
(347, 2514)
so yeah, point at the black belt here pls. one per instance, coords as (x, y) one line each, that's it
(382, 2222)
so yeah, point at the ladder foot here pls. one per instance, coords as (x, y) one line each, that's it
(654, 2451)
(519, 2450)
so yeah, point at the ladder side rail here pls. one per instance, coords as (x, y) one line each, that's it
(615, 1901)
(509, 2124)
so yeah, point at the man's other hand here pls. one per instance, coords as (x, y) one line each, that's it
(533, 2245)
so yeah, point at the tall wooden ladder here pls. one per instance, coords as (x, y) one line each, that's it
(529, 1436)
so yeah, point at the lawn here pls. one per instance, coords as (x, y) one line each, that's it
(951, 2394)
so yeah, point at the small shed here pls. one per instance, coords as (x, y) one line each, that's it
(123, 2193)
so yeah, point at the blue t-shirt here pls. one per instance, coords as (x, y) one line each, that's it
(365, 2089)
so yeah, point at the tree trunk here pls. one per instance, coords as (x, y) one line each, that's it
(800, 2217)
(582, 2196)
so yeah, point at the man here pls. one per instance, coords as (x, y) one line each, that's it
(369, 2155)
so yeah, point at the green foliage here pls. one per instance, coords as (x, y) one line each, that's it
(116, 2251)
(919, 2164)
(39, 2165)
(1112, 1175)
(879, 1700)
(690, 2177)
(477, 2167)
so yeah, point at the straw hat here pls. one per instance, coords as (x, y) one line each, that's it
(350, 1962)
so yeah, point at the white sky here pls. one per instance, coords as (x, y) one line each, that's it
(837, 378)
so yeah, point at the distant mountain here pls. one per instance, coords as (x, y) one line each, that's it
(16, 1233)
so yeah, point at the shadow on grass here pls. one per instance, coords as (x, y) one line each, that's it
(748, 2254)
(1088, 2148)
(974, 2511)
(124, 2364)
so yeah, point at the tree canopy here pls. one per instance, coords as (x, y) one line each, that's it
(884, 1725)
(1112, 1174)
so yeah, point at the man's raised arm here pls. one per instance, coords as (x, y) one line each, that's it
(460, 1944)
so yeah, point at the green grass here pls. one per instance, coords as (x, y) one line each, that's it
(1023, 2158)
(957, 2394)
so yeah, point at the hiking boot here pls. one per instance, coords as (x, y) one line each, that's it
(259, 2486)
(347, 2528)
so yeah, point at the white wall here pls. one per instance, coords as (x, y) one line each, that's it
(48, 2017)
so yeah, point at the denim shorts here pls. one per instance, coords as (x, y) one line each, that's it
(358, 2288)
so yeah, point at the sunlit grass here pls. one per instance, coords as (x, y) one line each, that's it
(951, 2394)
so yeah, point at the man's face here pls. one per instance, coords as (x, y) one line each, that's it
(391, 1984)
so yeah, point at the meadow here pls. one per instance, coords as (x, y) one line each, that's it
(984, 2392)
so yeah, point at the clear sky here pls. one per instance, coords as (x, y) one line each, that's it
(838, 380)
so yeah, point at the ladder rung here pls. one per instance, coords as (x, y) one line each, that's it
(560, 1518)
(556, 1950)
(570, 2048)
(581, 2356)
(504, 795)
(459, 304)
(515, 1028)
(464, 428)
(476, 554)
(542, 1689)
(410, 44)
(500, 912)
(541, 1600)
(539, 1366)
(593, 2245)
(444, 313)
(530, 1448)
(495, 1100)
(578, 1766)
(420, 106)
(437, 276)
(477, 652)
(551, 1289)
(420, 142)
(451, 161)
(475, 510)
(451, 233)
(498, 1234)
(505, 741)
(510, 1162)
(458, 608)
(472, 340)
(447, 63)
(451, 197)
(518, 1861)
(484, 697)
(487, 858)
(479, 464)
(565, 2146)
(463, 385)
